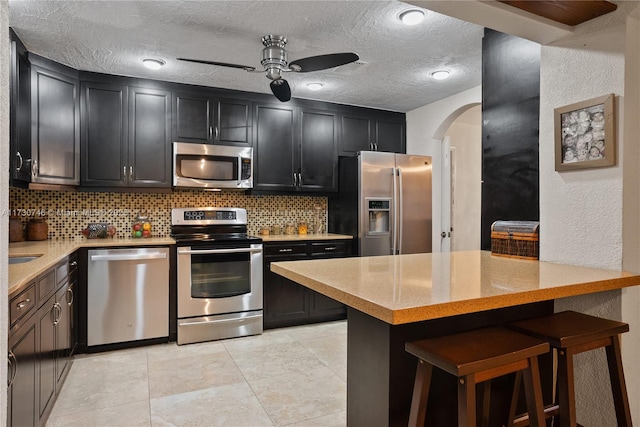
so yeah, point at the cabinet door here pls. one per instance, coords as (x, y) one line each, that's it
(233, 122)
(318, 151)
(390, 136)
(47, 317)
(274, 147)
(63, 334)
(149, 138)
(356, 134)
(192, 118)
(20, 112)
(104, 135)
(23, 364)
(285, 302)
(322, 307)
(55, 130)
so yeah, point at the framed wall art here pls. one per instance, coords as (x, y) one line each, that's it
(585, 134)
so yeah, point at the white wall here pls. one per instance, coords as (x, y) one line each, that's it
(465, 134)
(426, 126)
(4, 195)
(581, 211)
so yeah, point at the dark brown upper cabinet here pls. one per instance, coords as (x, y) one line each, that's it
(372, 131)
(126, 136)
(55, 123)
(210, 120)
(19, 113)
(295, 149)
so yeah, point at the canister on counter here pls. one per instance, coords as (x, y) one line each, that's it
(141, 227)
(302, 227)
(289, 228)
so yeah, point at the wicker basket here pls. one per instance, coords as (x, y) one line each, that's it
(516, 239)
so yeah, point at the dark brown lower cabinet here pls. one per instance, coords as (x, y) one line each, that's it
(287, 303)
(23, 375)
(41, 343)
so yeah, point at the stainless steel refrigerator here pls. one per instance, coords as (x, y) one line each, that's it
(384, 201)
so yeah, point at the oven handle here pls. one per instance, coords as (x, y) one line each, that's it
(218, 251)
(237, 319)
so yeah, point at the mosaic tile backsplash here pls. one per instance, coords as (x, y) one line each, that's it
(68, 213)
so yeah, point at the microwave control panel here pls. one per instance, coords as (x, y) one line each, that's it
(246, 169)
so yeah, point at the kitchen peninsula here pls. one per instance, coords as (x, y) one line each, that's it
(395, 299)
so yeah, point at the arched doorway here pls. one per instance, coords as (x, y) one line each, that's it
(460, 136)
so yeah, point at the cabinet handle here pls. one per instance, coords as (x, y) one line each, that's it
(19, 156)
(375, 146)
(22, 304)
(295, 180)
(299, 179)
(70, 292)
(73, 263)
(124, 172)
(210, 132)
(13, 366)
(217, 133)
(330, 248)
(34, 167)
(285, 250)
(57, 308)
(130, 174)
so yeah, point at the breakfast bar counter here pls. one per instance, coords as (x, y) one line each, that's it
(395, 299)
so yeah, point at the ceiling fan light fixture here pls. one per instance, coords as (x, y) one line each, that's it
(440, 74)
(412, 17)
(315, 86)
(153, 63)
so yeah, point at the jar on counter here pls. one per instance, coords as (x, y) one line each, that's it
(264, 231)
(37, 229)
(302, 227)
(276, 229)
(289, 228)
(141, 227)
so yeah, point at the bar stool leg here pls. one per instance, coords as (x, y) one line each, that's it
(514, 398)
(486, 403)
(618, 385)
(533, 393)
(466, 401)
(420, 394)
(566, 389)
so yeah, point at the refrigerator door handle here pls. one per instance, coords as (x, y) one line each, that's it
(400, 218)
(394, 235)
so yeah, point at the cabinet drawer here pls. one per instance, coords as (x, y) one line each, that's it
(332, 248)
(46, 285)
(22, 304)
(62, 271)
(285, 249)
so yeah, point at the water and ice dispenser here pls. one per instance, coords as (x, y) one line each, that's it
(379, 216)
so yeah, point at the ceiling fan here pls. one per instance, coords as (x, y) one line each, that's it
(274, 61)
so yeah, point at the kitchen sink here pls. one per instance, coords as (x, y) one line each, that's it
(22, 259)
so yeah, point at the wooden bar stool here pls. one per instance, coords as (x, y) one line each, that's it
(474, 357)
(570, 333)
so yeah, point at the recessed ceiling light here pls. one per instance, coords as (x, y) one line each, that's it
(412, 17)
(440, 74)
(315, 86)
(153, 64)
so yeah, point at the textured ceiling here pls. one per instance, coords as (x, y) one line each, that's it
(393, 71)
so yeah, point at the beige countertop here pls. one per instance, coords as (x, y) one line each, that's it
(410, 288)
(52, 251)
(303, 237)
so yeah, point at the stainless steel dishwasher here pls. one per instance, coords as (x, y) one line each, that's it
(127, 295)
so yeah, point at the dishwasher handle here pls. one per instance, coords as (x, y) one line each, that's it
(128, 257)
(218, 251)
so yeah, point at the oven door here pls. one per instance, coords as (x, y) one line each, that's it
(219, 280)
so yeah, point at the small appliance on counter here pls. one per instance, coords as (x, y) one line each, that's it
(219, 271)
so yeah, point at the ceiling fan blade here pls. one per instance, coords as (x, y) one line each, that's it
(281, 90)
(322, 62)
(220, 64)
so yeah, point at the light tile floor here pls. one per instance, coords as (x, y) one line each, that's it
(284, 377)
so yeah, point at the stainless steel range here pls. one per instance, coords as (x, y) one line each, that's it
(219, 274)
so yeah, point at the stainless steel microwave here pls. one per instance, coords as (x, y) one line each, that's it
(212, 166)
